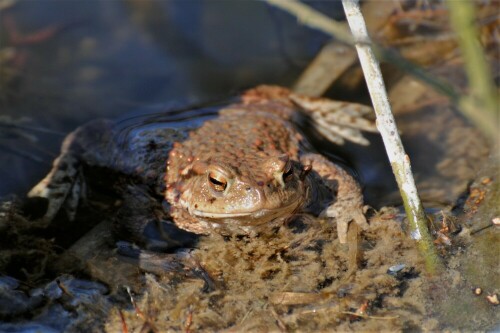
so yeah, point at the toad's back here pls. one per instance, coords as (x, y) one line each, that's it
(238, 138)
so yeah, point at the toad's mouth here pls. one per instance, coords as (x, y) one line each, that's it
(264, 214)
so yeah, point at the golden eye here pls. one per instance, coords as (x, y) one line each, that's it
(217, 181)
(288, 172)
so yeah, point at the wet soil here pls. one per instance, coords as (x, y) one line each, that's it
(296, 278)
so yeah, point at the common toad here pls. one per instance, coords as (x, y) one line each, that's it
(243, 172)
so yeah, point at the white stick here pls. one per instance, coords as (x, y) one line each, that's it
(386, 125)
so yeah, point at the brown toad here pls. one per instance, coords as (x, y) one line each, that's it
(243, 172)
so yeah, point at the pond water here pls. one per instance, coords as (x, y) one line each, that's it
(108, 58)
(143, 64)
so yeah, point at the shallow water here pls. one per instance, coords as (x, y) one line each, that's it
(109, 58)
(142, 66)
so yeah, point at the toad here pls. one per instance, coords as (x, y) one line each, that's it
(244, 171)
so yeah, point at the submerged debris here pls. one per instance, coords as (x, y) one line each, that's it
(493, 299)
(396, 268)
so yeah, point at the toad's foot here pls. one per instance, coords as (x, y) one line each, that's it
(337, 120)
(64, 187)
(347, 205)
(180, 262)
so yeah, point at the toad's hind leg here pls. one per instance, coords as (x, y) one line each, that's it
(337, 121)
(347, 204)
(63, 187)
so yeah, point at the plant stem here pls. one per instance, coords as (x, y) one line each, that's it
(482, 106)
(317, 20)
(488, 122)
(386, 125)
(312, 18)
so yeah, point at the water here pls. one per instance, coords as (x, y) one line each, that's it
(110, 58)
(138, 62)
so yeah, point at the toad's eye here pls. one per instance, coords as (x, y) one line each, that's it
(217, 181)
(288, 172)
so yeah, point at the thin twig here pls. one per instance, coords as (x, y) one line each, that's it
(279, 321)
(385, 120)
(466, 104)
(368, 316)
(124, 323)
(386, 125)
(317, 20)
(312, 18)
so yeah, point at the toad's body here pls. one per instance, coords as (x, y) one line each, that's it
(235, 173)
(243, 172)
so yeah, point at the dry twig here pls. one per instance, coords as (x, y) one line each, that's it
(386, 125)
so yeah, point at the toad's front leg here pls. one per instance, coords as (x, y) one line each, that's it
(143, 220)
(347, 204)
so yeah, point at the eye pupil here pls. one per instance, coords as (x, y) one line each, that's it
(218, 185)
